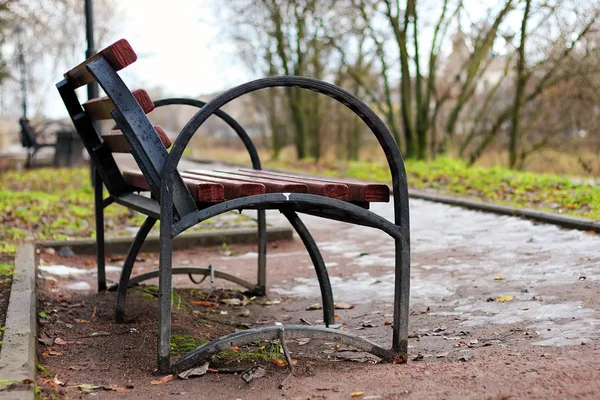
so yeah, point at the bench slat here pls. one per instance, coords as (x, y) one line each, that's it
(233, 189)
(116, 141)
(203, 192)
(334, 190)
(360, 192)
(100, 108)
(119, 55)
(270, 186)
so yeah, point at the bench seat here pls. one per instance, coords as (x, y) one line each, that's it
(214, 186)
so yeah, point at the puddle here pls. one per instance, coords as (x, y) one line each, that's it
(79, 286)
(63, 270)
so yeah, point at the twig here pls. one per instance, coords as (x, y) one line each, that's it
(288, 357)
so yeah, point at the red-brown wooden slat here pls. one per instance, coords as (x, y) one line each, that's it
(119, 55)
(233, 189)
(202, 191)
(101, 107)
(330, 189)
(362, 192)
(270, 186)
(116, 141)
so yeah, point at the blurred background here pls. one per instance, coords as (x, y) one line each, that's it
(514, 83)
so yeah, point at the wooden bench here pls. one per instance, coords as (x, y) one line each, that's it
(30, 141)
(183, 199)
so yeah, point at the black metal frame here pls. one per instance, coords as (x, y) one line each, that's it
(172, 203)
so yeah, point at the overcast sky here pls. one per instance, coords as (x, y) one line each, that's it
(178, 49)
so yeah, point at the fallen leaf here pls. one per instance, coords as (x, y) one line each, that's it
(164, 379)
(60, 341)
(343, 306)
(87, 388)
(282, 363)
(386, 323)
(498, 277)
(504, 299)
(235, 348)
(82, 321)
(57, 381)
(232, 302)
(313, 307)
(419, 309)
(48, 341)
(204, 303)
(197, 371)
(93, 313)
(357, 394)
(271, 302)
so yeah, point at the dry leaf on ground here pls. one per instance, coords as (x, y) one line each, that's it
(504, 299)
(343, 306)
(164, 379)
(204, 303)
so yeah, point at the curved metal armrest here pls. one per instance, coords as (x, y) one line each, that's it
(372, 120)
(228, 119)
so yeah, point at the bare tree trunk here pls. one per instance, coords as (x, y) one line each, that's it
(519, 91)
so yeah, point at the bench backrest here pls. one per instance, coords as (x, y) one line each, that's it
(28, 138)
(128, 109)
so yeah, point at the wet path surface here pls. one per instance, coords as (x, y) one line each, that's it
(462, 261)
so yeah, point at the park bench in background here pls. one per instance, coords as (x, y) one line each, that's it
(183, 199)
(30, 141)
(68, 149)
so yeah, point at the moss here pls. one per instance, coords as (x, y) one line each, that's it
(181, 344)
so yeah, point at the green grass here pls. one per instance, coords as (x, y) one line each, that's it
(547, 192)
(58, 204)
(6, 270)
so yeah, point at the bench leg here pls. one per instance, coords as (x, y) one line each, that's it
(401, 300)
(319, 264)
(140, 237)
(99, 208)
(164, 284)
(261, 285)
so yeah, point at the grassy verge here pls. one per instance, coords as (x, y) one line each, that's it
(56, 204)
(499, 185)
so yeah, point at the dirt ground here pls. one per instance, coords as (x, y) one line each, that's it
(501, 308)
(83, 345)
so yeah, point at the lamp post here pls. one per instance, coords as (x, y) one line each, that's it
(19, 31)
(92, 88)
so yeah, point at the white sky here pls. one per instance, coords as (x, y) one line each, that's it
(178, 50)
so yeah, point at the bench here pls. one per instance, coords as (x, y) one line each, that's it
(30, 141)
(181, 200)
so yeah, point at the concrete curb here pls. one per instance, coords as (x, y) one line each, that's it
(565, 221)
(18, 356)
(181, 242)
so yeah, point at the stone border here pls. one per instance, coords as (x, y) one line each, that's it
(18, 355)
(181, 242)
(565, 221)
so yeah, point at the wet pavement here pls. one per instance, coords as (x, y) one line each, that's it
(462, 261)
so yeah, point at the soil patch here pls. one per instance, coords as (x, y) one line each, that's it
(6, 270)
